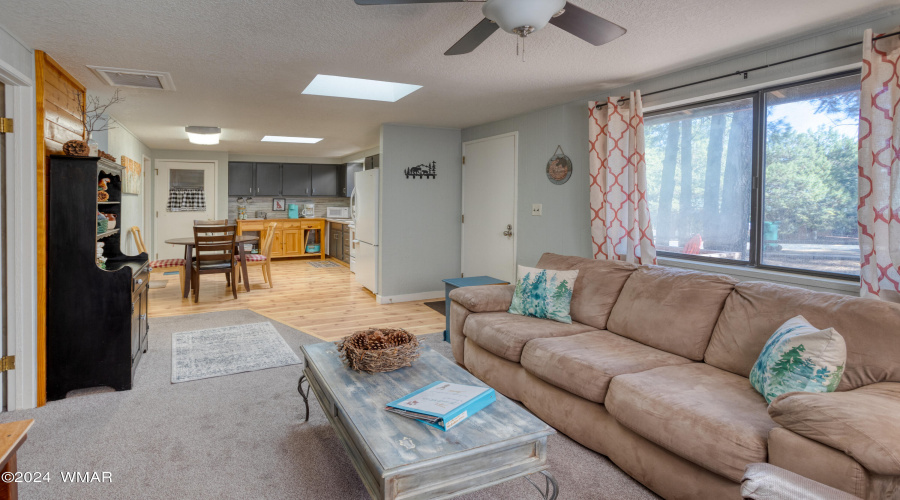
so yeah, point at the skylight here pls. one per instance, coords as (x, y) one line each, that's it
(357, 88)
(299, 140)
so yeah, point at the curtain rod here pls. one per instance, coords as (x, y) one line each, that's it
(745, 71)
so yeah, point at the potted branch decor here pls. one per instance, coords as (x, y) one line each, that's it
(92, 111)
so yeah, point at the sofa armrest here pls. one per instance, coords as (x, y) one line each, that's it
(484, 298)
(862, 423)
(767, 482)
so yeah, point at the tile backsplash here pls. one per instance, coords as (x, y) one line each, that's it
(265, 203)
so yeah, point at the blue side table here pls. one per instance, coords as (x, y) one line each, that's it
(454, 283)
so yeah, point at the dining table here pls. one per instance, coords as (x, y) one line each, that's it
(188, 243)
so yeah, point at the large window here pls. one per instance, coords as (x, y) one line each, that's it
(766, 179)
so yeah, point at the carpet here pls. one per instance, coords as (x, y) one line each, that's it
(324, 263)
(228, 350)
(240, 436)
(439, 306)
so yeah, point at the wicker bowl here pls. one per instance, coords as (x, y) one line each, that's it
(378, 350)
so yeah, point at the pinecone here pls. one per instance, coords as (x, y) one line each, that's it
(76, 148)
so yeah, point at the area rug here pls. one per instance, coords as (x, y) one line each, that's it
(439, 306)
(228, 350)
(241, 436)
(324, 263)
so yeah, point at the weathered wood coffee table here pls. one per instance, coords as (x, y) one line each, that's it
(400, 458)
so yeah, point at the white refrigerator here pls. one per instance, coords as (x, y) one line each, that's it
(364, 210)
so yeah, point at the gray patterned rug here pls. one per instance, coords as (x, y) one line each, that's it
(324, 263)
(228, 350)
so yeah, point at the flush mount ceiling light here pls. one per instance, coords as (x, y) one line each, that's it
(297, 140)
(358, 88)
(206, 136)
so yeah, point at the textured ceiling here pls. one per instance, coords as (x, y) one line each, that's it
(241, 65)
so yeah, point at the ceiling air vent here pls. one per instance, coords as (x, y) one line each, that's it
(119, 77)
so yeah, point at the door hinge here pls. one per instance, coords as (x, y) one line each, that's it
(462, 275)
(464, 160)
(6, 125)
(464, 218)
(7, 363)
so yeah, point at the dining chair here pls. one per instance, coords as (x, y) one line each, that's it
(210, 222)
(264, 257)
(160, 266)
(213, 254)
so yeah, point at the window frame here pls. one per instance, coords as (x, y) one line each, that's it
(758, 177)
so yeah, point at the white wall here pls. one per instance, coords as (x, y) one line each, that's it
(565, 226)
(420, 218)
(122, 142)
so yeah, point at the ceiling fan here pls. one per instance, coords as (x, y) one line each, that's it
(524, 17)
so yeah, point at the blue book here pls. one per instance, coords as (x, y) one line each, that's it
(442, 404)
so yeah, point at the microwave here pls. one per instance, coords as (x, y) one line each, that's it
(337, 212)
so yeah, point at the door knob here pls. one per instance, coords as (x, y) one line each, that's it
(508, 233)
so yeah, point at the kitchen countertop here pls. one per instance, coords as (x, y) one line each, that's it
(341, 221)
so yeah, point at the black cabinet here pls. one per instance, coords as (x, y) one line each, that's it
(336, 246)
(284, 179)
(347, 178)
(295, 179)
(373, 161)
(324, 180)
(240, 179)
(96, 318)
(268, 179)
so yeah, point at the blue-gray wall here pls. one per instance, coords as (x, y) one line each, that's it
(420, 218)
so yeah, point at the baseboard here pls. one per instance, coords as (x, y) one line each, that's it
(409, 297)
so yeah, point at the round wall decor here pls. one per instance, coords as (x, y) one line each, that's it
(559, 167)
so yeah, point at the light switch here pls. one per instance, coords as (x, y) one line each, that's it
(537, 209)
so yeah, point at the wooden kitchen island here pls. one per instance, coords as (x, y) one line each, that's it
(290, 235)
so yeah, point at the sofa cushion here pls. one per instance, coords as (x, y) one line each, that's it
(709, 416)
(670, 309)
(584, 364)
(506, 334)
(871, 329)
(543, 293)
(862, 423)
(597, 287)
(799, 357)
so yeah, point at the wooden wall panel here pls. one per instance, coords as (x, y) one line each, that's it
(58, 121)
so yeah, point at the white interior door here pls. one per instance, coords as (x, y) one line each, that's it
(489, 207)
(181, 174)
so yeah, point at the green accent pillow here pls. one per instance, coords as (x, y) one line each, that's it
(543, 293)
(799, 357)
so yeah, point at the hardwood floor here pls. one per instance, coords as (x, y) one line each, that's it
(324, 302)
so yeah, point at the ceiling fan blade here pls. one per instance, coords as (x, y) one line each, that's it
(475, 37)
(390, 2)
(589, 27)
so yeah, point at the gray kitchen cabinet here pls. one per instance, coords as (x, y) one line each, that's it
(240, 179)
(373, 161)
(324, 180)
(347, 178)
(336, 246)
(268, 179)
(296, 180)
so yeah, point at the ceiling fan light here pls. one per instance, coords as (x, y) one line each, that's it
(512, 14)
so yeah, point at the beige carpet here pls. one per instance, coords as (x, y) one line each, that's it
(237, 436)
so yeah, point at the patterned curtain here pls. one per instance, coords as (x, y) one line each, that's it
(620, 216)
(879, 169)
(186, 200)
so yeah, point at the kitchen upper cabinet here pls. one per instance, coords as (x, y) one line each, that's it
(296, 180)
(373, 161)
(268, 179)
(240, 179)
(324, 180)
(347, 178)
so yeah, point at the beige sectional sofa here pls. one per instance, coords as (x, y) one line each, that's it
(653, 373)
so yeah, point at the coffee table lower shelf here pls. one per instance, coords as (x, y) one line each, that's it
(398, 458)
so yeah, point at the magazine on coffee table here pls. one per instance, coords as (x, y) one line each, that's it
(442, 404)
